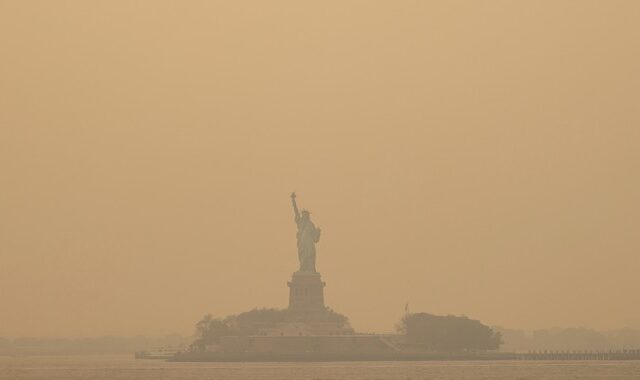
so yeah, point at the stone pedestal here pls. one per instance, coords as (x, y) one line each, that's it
(306, 293)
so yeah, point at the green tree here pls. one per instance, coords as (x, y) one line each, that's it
(209, 330)
(448, 333)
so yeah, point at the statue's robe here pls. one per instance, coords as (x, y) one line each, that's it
(307, 236)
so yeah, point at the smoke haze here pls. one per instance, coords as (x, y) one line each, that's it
(466, 157)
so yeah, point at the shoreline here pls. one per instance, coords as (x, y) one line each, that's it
(619, 355)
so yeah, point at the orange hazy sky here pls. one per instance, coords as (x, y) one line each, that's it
(467, 157)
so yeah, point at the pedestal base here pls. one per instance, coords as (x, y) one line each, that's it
(306, 292)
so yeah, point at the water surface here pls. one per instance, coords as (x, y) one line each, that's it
(125, 367)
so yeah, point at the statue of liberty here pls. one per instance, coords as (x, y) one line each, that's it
(308, 235)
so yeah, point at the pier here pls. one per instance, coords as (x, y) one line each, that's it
(624, 354)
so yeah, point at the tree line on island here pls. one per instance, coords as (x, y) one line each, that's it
(421, 331)
(447, 333)
(209, 330)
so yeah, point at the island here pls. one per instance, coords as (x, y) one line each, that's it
(308, 330)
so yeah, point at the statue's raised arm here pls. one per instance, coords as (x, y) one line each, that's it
(295, 206)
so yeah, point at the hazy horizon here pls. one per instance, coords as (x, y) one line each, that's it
(469, 158)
